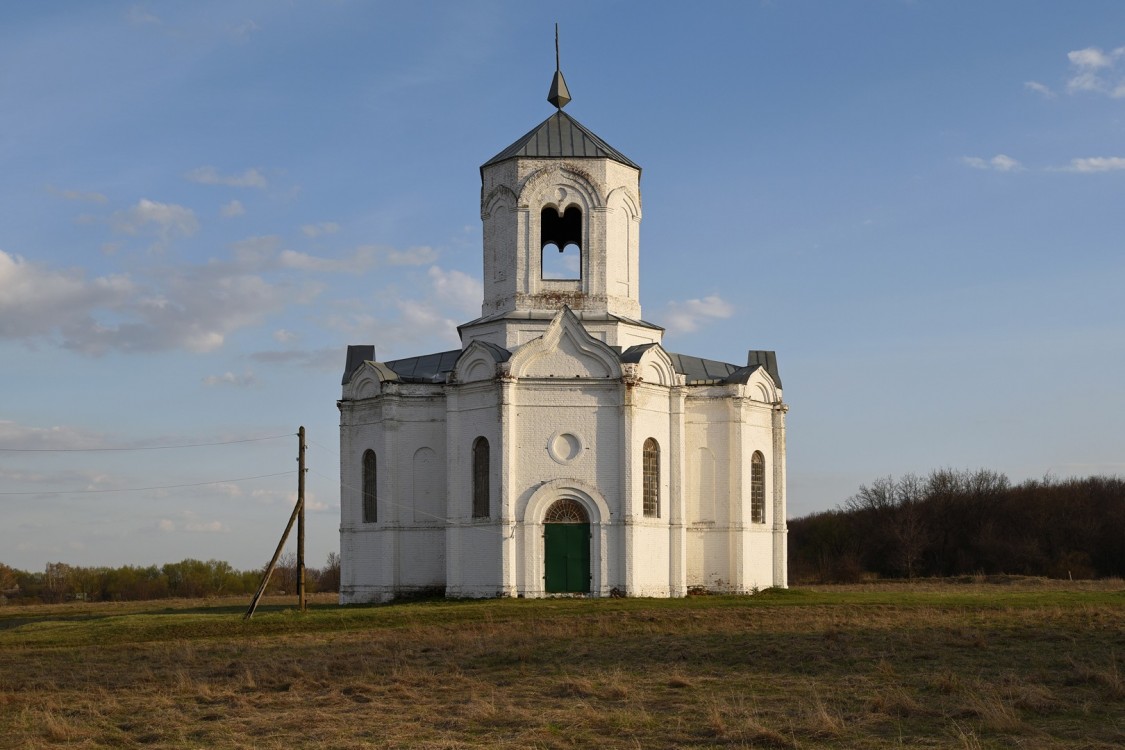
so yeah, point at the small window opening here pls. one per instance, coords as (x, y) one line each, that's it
(561, 243)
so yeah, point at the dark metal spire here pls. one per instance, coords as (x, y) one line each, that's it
(560, 95)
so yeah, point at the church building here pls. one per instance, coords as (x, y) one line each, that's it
(561, 449)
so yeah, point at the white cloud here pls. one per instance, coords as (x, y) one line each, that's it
(81, 196)
(1039, 88)
(324, 227)
(1096, 164)
(35, 300)
(229, 378)
(422, 318)
(363, 259)
(206, 527)
(305, 262)
(255, 253)
(1096, 71)
(273, 497)
(232, 209)
(414, 256)
(422, 321)
(211, 176)
(190, 523)
(458, 289)
(1003, 163)
(15, 435)
(1000, 163)
(1086, 81)
(191, 308)
(283, 336)
(688, 316)
(202, 307)
(328, 359)
(166, 219)
(1091, 57)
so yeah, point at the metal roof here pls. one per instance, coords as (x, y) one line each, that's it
(429, 368)
(699, 371)
(560, 136)
(435, 368)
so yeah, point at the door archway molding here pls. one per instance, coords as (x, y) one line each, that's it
(531, 533)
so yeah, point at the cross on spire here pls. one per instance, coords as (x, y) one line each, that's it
(560, 95)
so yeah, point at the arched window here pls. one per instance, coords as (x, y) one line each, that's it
(560, 243)
(566, 511)
(369, 491)
(480, 478)
(757, 488)
(650, 462)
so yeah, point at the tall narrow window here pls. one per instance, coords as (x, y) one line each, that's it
(369, 490)
(757, 488)
(650, 462)
(560, 243)
(480, 478)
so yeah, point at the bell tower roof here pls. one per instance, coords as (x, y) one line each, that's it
(560, 136)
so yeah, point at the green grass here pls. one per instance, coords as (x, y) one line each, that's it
(1032, 664)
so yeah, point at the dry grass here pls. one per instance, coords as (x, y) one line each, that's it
(968, 665)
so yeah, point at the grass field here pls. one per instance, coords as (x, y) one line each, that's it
(1030, 664)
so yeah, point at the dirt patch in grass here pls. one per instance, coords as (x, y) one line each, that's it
(926, 666)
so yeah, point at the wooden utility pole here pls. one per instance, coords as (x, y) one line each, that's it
(301, 519)
(298, 513)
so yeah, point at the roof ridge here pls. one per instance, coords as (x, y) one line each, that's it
(553, 145)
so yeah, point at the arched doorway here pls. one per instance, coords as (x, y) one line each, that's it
(566, 548)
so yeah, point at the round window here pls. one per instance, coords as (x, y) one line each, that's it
(564, 447)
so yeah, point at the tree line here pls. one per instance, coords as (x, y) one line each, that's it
(953, 523)
(60, 582)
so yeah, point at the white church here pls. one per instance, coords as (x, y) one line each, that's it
(562, 450)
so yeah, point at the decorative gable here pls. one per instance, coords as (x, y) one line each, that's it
(565, 350)
(479, 361)
(367, 381)
(656, 367)
(760, 386)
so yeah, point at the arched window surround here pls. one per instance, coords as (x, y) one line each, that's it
(370, 488)
(650, 470)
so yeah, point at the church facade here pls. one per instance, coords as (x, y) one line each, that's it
(561, 449)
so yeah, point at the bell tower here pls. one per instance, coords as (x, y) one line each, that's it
(561, 210)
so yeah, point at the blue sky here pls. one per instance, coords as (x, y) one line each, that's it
(918, 205)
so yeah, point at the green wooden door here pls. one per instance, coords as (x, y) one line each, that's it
(567, 557)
